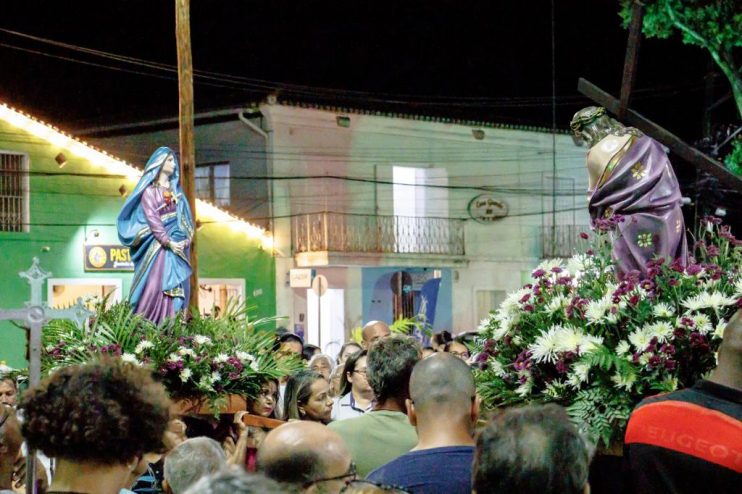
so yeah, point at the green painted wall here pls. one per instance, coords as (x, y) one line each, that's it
(66, 209)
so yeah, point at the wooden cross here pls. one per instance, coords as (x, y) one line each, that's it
(35, 315)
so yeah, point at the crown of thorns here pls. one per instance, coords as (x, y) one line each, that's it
(581, 120)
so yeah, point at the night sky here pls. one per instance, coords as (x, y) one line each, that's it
(480, 60)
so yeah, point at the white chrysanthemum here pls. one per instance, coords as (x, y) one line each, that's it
(573, 340)
(49, 348)
(517, 340)
(662, 330)
(215, 377)
(579, 264)
(557, 303)
(524, 389)
(185, 374)
(186, 351)
(496, 367)
(254, 366)
(174, 357)
(142, 346)
(624, 382)
(205, 384)
(221, 358)
(662, 309)
(579, 374)
(738, 286)
(130, 358)
(708, 300)
(485, 323)
(550, 264)
(545, 347)
(512, 304)
(703, 323)
(244, 356)
(645, 358)
(202, 340)
(640, 339)
(505, 324)
(623, 348)
(597, 309)
(719, 330)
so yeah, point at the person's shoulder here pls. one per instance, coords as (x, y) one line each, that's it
(347, 424)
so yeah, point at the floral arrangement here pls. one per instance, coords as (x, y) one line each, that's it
(579, 336)
(201, 357)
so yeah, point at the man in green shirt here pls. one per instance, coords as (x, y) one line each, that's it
(379, 436)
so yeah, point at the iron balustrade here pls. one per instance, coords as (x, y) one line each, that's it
(358, 233)
(562, 240)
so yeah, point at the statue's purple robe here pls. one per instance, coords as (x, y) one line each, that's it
(640, 185)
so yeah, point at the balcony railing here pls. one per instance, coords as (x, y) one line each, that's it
(356, 233)
(562, 240)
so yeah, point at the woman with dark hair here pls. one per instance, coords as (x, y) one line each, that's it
(356, 395)
(263, 405)
(307, 397)
(346, 351)
(97, 420)
(457, 347)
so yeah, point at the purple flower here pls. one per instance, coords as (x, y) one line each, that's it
(482, 357)
(647, 285)
(713, 251)
(562, 367)
(668, 349)
(539, 273)
(564, 280)
(634, 300)
(529, 308)
(590, 252)
(673, 282)
(556, 269)
(525, 298)
(653, 272)
(670, 364)
(584, 236)
(693, 269)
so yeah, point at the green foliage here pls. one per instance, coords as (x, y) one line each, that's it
(714, 25)
(733, 160)
(198, 357)
(578, 336)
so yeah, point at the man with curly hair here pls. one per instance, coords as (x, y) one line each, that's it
(97, 420)
(384, 433)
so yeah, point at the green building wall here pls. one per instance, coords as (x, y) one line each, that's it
(64, 210)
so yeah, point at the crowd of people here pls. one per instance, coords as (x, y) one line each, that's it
(385, 416)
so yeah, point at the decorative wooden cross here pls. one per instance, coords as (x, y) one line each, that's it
(35, 315)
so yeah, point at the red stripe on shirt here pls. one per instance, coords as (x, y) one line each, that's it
(689, 429)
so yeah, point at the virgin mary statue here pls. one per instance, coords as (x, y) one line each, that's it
(157, 225)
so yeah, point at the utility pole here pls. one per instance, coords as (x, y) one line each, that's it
(187, 147)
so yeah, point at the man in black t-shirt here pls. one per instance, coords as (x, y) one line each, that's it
(691, 440)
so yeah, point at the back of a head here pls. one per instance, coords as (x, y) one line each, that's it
(191, 460)
(10, 436)
(442, 388)
(236, 481)
(389, 365)
(531, 450)
(297, 453)
(104, 412)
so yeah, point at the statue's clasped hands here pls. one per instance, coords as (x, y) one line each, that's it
(177, 247)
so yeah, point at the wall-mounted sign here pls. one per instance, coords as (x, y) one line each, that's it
(108, 258)
(301, 278)
(485, 208)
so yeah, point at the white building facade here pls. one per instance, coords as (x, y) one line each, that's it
(401, 215)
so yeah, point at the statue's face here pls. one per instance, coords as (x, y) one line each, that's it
(169, 166)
